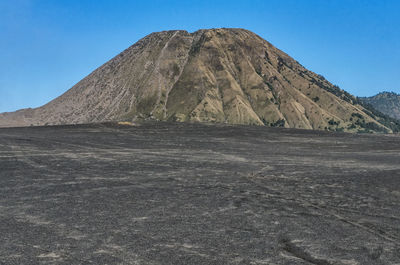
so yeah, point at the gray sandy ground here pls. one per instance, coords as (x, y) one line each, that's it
(161, 193)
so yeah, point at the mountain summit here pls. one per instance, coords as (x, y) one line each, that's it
(386, 102)
(216, 75)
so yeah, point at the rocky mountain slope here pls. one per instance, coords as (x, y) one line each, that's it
(217, 75)
(386, 102)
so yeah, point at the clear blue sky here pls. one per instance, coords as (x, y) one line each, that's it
(47, 46)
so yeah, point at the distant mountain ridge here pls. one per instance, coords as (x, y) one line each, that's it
(216, 75)
(386, 102)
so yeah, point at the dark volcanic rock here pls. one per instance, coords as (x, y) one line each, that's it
(164, 193)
